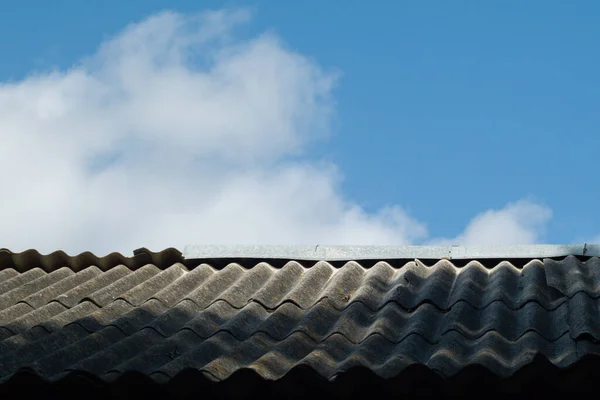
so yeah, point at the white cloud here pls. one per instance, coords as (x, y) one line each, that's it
(522, 222)
(176, 132)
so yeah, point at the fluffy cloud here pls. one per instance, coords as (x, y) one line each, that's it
(176, 132)
(522, 222)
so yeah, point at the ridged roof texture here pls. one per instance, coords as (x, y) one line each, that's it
(160, 315)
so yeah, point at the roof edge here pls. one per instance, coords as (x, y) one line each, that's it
(341, 253)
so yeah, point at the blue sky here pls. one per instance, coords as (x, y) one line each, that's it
(446, 109)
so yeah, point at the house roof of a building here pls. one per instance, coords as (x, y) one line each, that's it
(280, 313)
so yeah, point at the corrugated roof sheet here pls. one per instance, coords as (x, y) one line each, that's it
(160, 315)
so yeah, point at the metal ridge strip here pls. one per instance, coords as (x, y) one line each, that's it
(342, 253)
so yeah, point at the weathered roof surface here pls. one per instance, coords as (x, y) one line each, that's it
(161, 314)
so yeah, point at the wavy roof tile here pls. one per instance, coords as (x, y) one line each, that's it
(162, 314)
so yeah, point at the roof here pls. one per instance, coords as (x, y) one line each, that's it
(276, 311)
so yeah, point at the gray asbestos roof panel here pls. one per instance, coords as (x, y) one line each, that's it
(163, 319)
